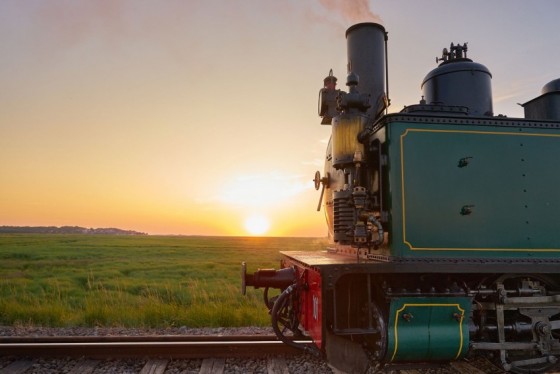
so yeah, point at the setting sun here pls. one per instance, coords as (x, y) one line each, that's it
(257, 224)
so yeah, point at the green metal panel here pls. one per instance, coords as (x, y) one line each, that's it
(423, 329)
(483, 189)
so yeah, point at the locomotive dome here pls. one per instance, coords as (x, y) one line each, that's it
(458, 81)
(552, 86)
(547, 105)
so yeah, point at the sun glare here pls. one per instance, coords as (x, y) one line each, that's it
(256, 190)
(257, 224)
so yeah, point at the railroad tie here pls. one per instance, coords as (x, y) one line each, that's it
(465, 368)
(17, 367)
(212, 366)
(276, 365)
(155, 367)
(84, 367)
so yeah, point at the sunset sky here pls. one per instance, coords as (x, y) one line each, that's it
(200, 116)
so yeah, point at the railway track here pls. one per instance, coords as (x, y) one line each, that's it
(145, 346)
(176, 354)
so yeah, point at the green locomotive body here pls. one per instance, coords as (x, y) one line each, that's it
(471, 188)
(444, 221)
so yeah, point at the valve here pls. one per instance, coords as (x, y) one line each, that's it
(353, 100)
(318, 181)
(455, 52)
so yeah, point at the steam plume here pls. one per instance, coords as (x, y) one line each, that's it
(352, 11)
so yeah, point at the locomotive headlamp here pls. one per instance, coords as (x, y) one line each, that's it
(327, 99)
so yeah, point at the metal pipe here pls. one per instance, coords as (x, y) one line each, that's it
(387, 72)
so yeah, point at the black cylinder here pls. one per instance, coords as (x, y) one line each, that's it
(366, 58)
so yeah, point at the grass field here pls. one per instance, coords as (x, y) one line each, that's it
(134, 281)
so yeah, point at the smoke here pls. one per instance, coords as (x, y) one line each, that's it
(69, 23)
(351, 11)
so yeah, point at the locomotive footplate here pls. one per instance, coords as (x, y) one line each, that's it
(336, 263)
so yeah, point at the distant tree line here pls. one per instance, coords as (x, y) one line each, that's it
(65, 230)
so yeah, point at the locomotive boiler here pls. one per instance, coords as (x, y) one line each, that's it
(443, 218)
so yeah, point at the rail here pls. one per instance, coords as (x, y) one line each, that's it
(157, 351)
(196, 346)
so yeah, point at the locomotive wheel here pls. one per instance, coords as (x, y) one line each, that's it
(381, 324)
(377, 343)
(523, 362)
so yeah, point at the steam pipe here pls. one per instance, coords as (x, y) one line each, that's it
(387, 72)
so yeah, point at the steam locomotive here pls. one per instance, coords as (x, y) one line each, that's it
(444, 220)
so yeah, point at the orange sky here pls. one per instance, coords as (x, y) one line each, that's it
(190, 117)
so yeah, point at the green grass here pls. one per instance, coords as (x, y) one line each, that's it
(135, 281)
